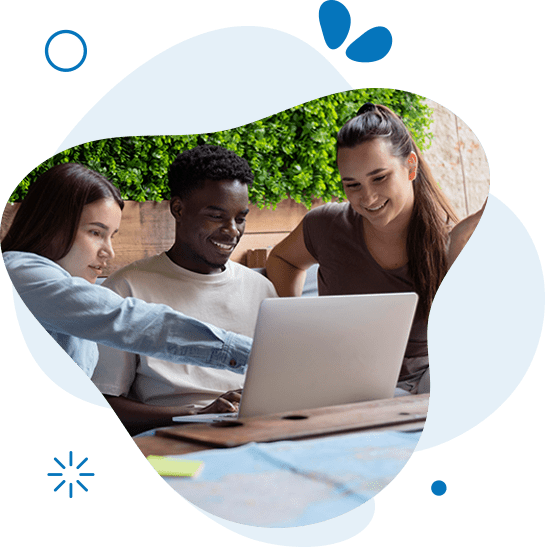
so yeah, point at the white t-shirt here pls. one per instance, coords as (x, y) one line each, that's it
(229, 300)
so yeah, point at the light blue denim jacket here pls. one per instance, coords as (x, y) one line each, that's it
(78, 314)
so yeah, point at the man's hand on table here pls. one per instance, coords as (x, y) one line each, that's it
(228, 402)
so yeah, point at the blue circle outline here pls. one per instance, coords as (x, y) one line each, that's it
(49, 58)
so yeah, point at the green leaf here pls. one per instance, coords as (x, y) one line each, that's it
(291, 152)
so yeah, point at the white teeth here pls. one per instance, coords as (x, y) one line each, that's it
(377, 208)
(223, 246)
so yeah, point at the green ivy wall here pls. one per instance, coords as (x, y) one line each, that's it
(292, 153)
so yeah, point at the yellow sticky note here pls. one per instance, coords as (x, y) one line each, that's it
(167, 467)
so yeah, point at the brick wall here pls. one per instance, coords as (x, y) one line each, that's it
(457, 161)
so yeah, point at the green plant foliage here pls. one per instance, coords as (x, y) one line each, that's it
(292, 153)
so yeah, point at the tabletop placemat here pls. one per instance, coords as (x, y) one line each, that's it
(306, 423)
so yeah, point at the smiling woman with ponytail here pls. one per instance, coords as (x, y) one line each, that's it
(396, 233)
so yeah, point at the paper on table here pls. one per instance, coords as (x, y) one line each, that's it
(168, 467)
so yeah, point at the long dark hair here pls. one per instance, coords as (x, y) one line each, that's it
(432, 213)
(48, 218)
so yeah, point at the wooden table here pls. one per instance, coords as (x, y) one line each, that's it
(397, 414)
(296, 468)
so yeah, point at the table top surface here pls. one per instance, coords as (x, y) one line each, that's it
(277, 472)
(399, 413)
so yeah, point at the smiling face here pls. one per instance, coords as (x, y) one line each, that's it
(378, 184)
(92, 246)
(209, 225)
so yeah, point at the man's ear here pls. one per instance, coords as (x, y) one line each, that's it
(176, 207)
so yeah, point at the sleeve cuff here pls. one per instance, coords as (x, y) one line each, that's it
(236, 352)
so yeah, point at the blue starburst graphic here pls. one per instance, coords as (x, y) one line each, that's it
(70, 471)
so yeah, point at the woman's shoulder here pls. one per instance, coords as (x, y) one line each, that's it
(329, 215)
(28, 271)
(17, 261)
(330, 211)
(325, 225)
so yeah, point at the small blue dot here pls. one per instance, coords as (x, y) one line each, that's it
(438, 488)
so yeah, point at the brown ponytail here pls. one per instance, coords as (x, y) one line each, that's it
(432, 213)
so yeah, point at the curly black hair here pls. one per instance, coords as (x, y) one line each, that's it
(192, 167)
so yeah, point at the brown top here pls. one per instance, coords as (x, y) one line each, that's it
(334, 237)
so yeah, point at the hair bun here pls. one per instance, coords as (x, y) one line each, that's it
(367, 107)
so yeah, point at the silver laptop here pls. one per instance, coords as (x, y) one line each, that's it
(322, 351)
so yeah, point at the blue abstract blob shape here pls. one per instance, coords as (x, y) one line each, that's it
(335, 23)
(484, 326)
(53, 360)
(438, 488)
(273, 53)
(323, 533)
(371, 46)
(83, 54)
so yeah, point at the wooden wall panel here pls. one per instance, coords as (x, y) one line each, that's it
(7, 218)
(148, 228)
